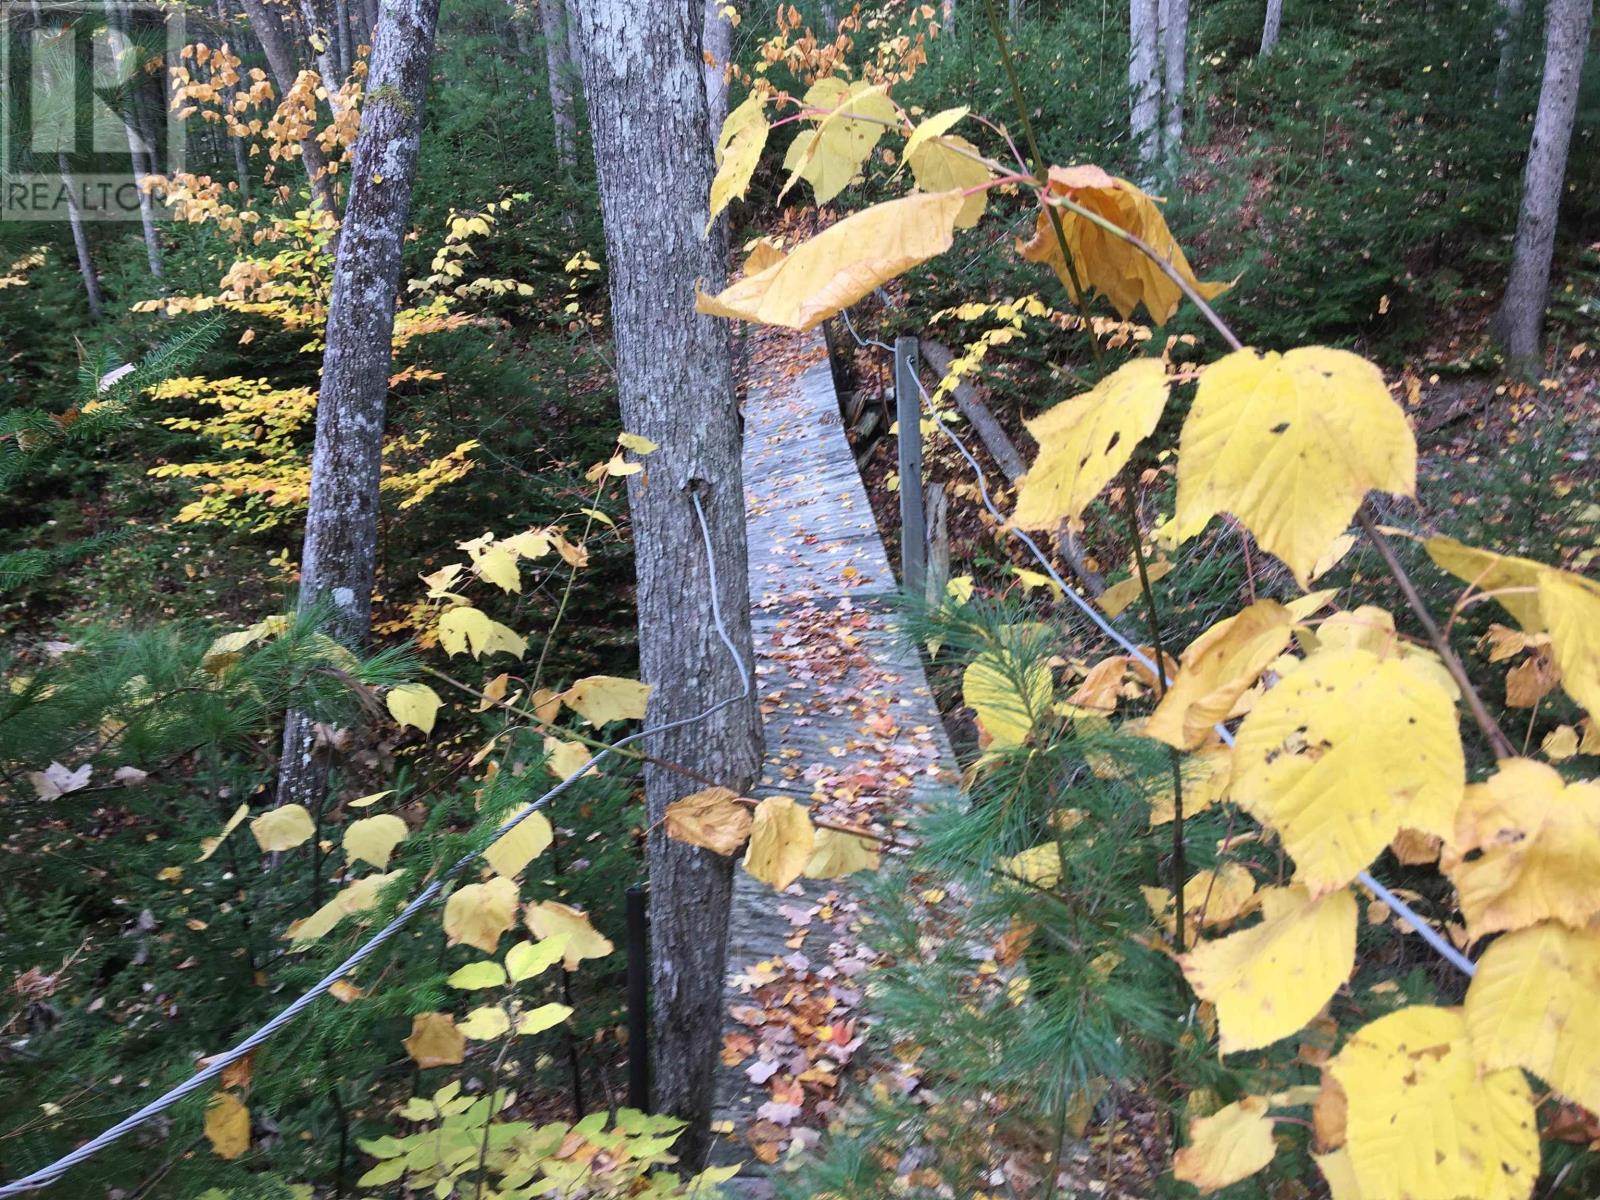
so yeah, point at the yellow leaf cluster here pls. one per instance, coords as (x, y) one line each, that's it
(1105, 262)
(853, 116)
(781, 842)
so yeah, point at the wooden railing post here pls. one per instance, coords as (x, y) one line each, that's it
(908, 412)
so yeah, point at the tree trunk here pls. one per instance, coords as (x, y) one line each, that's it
(1508, 19)
(323, 41)
(338, 560)
(1174, 55)
(1144, 81)
(80, 241)
(1520, 320)
(949, 26)
(1013, 13)
(717, 49)
(558, 62)
(830, 21)
(347, 56)
(1271, 26)
(138, 148)
(652, 148)
(274, 38)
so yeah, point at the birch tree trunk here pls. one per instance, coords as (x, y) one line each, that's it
(1013, 13)
(1271, 26)
(274, 38)
(652, 148)
(241, 165)
(717, 49)
(949, 26)
(338, 560)
(558, 62)
(1175, 75)
(1520, 320)
(138, 148)
(80, 241)
(1508, 18)
(1144, 81)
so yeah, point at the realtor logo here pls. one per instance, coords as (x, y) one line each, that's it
(85, 114)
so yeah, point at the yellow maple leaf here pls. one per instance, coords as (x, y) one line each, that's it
(712, 818)
(1531, 1005)
(1342, 754)
(951, 163)
(739, 146)
(467, 628)
(1426, 1120)
(1106, 263)
(498, 565)
(414, 704)
(435, 1041)
(841, 264)
(1218, 667)
(781, 841)
(1009, 691)
(477, 914)
(551, 919)
(1290, 444)
(854, 117)
(1269, 980)
(282, 828)
(835, 855)
(373, 839)
(1231, 1144)
(1085, 441)
(227, 1125)
(512, 851)
(601, 699)
(1525, 848)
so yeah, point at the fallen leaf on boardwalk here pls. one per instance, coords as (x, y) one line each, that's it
(373, 839)
(1085, 441)
(1218, 667)
(601, 699)
(1426, 1120)
(1105, 263)
(1269, 980)
(1317, 759)
(435, 1041)
(479, 913)
(836, 855)
(781, 841)
(414, 704)
(550, 919)
(712, 818)
(1232, 1144)
(508, 854)
(1525, 848)
(227, 1125)
(282, 828)
(1531, 1006)
(1290, 444)
(836, 268)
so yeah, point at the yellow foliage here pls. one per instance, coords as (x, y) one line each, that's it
(835, 855)
(414, 704)
(1085, 441)
(712, 818)
(435, 1041)
(1531, 1005)
(1231, 1144)
(373, 839)
(552, 920)
(851, 119)
(842, 264)
(951, 163)
(227, 1125)
(1211, 899)
(282, 828)
(1290, 444)
(512, 851)
(1269, 980)
(601, 699)
(1008, 693)
(739, 146)
(479, 913)
(1342, 754)
(781, 842)
(1426, 1118)
(1525, 848)
(1105, 263)
(1216, 669)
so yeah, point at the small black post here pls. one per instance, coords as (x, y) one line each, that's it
(638, 922)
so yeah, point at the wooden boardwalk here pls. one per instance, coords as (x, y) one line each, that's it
(851, 730)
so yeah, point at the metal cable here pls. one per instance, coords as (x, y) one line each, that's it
(218, 1063)
(1428, 934)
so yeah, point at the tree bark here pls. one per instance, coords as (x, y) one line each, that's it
(274, 38)
(1271, 26)
(1520, 320)
(558, 62)
(717, 49)
(1144, 81)
(652, 148)
(1013, 13)
(1507, 20)
(338, 560)
(138, 147)
(1175, 75)
(241, 165)
(80, 241)
(949, 25)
